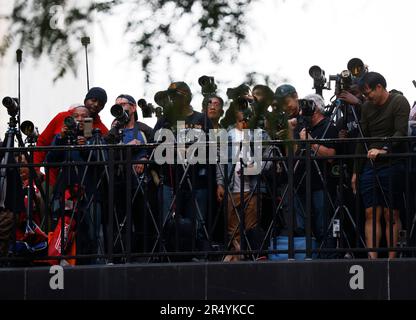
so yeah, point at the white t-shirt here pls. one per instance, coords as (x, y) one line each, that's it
(237, 153)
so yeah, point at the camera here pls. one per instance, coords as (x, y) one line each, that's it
(72, 129)
(148, 109)
(241, 102)
(28, 128)
(120, 114)
(343, 81)
(319, 80)
(12, 105)
(238, 92)
(307, 107)
(208, 86)
(357, 67)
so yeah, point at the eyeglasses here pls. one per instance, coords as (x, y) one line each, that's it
(214, 104)
(125, 103)
(366, 94)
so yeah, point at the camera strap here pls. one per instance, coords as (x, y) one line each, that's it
(136, 131)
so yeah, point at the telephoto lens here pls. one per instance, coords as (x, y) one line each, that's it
(120, 114)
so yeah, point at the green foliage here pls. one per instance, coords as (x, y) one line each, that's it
(55, 27)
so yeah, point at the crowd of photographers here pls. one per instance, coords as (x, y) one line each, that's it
(205, 206)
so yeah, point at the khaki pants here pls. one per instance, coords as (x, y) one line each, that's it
(250, 220)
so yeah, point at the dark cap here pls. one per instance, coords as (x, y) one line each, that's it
(128, 97)
(283, 91)
(181, 88)
(97, 93)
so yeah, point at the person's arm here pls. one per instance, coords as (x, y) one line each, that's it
(323, 151)
(400, 112)
(47, 136)
(56, 155)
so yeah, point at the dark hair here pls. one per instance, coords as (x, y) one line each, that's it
(206, 100)
(229, 117)
(281, 101)
(266, 90)
(372, 79)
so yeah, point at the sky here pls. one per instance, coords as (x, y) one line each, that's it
(285, 38)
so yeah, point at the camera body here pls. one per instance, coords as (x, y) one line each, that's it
(238, 92)
(148, 109)
(73, 130)
(208, 86)
(308, 109)
(343, 81)
(240, 101)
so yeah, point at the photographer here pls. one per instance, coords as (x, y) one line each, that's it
(127, 130)
(213, 105)
(243, 194)
(286, 100)
(69, 191)
(383, 114)
(178, 107)
(312, 124)
(94, 101)
(133, 132)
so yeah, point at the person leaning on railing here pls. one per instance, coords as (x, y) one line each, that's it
(384, 114)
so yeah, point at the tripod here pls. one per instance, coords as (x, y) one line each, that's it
(182, 182)
(12, 192)
(337, 221)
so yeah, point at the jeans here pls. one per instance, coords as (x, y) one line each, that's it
(317, 214)
(185, 205)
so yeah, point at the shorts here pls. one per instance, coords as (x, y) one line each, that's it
(370, 188)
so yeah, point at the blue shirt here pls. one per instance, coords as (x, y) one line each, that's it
(128, 136)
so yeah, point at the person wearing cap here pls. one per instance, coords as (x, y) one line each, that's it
(286, 100)
(133, 132)
(319, 127)
(190, 203)
(94, 101)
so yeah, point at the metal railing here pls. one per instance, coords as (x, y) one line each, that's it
(170, 212)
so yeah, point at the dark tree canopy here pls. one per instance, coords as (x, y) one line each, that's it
(55, 27)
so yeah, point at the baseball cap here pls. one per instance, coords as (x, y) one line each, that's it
(128, 97)
(181, 88)
(284, 90)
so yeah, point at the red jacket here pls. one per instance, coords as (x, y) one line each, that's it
(53, 128)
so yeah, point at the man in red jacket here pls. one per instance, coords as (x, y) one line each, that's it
(94, 101)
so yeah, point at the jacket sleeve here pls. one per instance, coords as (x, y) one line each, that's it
(47, 136)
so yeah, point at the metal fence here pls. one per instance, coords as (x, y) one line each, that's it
(301, 206)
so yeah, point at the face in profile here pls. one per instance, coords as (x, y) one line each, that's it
(291, 106)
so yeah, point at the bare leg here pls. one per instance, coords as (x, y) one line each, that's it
(396, 228)
(369, 230)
